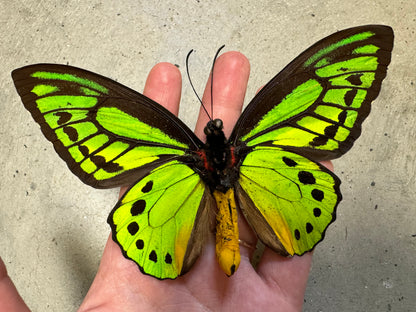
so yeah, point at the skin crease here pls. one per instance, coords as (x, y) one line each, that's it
(278, 284)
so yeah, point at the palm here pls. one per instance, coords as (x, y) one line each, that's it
(277, 284)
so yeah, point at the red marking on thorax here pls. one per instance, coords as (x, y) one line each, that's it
(232, 163)
(202, 154)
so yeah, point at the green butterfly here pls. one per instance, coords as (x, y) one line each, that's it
(110, 135)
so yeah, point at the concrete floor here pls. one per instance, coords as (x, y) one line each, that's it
(53, 228)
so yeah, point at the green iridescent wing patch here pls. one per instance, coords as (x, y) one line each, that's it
(291, 209)
(316, 105)
(155, 221)
(104, 131)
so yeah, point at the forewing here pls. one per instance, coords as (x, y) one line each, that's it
(291, 208)
(108, 134)
(316, 105)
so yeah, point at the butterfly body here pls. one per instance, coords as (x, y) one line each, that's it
(219, 158)
(110, 135)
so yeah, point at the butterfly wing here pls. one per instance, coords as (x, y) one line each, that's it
(311, 111)
(108, 134)
(155, 221)
(316, 105)
(291, 208)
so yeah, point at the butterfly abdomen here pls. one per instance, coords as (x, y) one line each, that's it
(226, 242)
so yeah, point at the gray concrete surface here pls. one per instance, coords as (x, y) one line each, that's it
(53, 228)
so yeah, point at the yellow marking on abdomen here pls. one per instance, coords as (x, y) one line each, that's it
(227, 248)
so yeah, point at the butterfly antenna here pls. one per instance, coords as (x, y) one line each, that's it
(193, 88)
(212, 79)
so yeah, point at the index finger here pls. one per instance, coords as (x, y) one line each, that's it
(231, 72)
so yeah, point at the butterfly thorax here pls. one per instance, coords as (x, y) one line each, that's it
(219, 159)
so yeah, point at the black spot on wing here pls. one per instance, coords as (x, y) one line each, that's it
(71, 132)
(350, 96)
(168, 259)
(289, 162)
(99, 161)
(153, 256)
(297, 234)
(148, 187)
(319, 140)
(138, 207)
(133, 228)
(317, 212)
(331, 130)
(140, 244)
(64, 117)
(342, 117)
(112, 167)
(355, 79)
(306, 177)
(84, 150)
(318, 195)
(309, 228)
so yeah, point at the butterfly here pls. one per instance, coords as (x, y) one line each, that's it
(110, 135)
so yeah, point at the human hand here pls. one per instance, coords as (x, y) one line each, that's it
(277, 284)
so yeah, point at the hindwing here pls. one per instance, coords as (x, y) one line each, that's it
(161, 222)
(288, 200)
